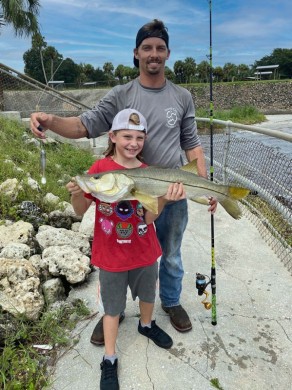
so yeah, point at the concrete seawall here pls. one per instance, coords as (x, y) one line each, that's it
(270, 98)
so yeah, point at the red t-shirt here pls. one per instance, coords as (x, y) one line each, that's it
(122, 241)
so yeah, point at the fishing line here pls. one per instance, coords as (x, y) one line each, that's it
(213, 261)
(43, 157)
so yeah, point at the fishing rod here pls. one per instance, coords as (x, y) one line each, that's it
(213, 260)
(201, 283)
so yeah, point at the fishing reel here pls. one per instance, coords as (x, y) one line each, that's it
(201, 285)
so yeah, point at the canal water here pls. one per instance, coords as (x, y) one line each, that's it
(281, 123)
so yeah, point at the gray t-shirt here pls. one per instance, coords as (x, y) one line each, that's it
(170, 116)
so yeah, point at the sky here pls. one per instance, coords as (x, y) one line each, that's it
(98, 31)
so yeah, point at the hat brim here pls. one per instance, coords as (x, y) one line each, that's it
(136, 62)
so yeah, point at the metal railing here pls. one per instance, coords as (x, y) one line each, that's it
(267, 172)
(19, 92)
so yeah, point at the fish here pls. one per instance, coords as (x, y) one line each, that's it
(43, 165)
(147, 184)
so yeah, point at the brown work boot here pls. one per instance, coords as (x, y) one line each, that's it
(178, 317)
(97, 337)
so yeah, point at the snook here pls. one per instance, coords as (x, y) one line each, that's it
(146, 184)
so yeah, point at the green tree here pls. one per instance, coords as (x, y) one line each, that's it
(134, 73)
(169, 74)
(203, 70)
(281, 57)
(243, 71)
(179, 71)
(100, 77)
(86, 73)
(229, 71)
(130, 73)
(52, 61)
(120, 73)
(108, 69)
(218, 74)
(22, 15)
(41, 62)
(68, 71)
(190, 69)
(33, 59)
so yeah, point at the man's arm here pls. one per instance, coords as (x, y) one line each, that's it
(197, 153)
(69, 127)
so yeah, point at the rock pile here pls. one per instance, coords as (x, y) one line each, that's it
(38, 266)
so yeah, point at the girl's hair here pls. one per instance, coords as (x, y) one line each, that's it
(111, 149)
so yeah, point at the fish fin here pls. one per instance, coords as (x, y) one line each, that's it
(190, 167)
(237, 192)
(232, 207)
(148, 202)
(202, 200)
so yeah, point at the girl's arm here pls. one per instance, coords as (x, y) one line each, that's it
(175, 192)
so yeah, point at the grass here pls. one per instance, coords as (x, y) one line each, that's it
(215, 383)
(22, 365)
(20, 158)
(247, 115)
(275, 219)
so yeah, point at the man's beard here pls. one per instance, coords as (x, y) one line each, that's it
(155, 70)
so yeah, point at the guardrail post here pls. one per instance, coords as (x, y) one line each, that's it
(226, 149)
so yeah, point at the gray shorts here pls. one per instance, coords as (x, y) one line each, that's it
(113, 287)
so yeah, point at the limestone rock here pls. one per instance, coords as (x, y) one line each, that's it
(67, 261)
(51, 199)
(54, 291)
(33, 184)
(20, 288)
(40, 265)
(87, 223)
(11, 188)
(50, 236)
(18, 232)
(15, 251)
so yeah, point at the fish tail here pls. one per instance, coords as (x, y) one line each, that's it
(232, 207)
(237, 192)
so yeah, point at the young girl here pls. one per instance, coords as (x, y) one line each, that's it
(125, 246)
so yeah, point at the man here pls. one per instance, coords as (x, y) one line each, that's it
(170, 113)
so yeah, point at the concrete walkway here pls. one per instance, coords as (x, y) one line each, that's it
(251, 346)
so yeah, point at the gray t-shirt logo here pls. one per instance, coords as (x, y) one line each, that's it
(171, 116)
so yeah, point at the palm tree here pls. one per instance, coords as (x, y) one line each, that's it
(21, 14)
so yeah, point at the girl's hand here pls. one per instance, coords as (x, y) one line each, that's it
(73, 188)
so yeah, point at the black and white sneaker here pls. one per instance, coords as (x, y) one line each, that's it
(156, 334)
(109, 375)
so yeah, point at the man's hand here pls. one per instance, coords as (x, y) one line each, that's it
(175, 192)
(39, 122)
(213, 202)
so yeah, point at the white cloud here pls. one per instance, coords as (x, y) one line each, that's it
(98, 31)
